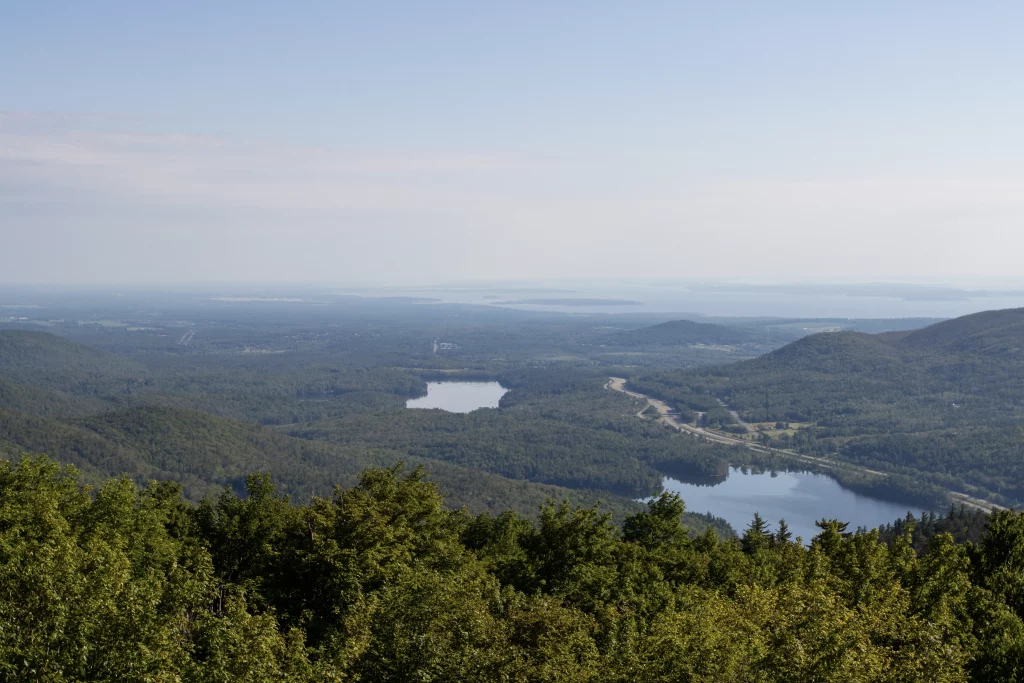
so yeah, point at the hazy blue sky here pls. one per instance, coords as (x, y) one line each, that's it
(417, 141)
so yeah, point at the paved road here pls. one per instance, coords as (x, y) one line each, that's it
(736, 416)
(666, 418)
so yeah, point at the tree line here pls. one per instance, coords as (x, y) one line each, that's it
(381, 581)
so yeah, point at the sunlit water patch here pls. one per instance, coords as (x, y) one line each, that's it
(459, 397)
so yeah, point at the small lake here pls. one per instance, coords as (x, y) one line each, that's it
(801, 498)
(459, 397)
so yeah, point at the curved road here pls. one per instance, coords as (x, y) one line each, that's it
(666, 417)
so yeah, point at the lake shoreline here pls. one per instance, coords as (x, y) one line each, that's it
(456, 396)
(795, 496)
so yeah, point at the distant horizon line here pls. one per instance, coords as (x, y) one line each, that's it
(967, 283)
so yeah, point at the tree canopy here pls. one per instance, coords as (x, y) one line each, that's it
(381, 581)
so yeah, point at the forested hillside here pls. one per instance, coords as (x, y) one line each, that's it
(381, 582)
(989, 332)
(204, 393)
(500, 568)
(201, 419)
(42, 403)
(47, 361)
(945, 402)
(682, 332)
(205, 454)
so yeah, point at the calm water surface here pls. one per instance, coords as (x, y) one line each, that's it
(796, 301)
(459, 397)
(798, 497)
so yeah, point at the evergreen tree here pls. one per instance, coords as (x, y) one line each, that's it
(783, 535)
(757, 536)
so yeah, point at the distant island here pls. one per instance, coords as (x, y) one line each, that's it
(570, 302)
(246, 299)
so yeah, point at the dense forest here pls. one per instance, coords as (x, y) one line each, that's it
(204, 453)
(318, 415)
(381, 581)
(676, 332)
(337, 376)
(942, 404)
(171, 388)
(377, 542)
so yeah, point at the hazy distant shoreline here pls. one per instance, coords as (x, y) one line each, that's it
(569, 302)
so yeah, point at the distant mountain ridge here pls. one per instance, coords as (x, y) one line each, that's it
(678, 332)
(988, 333)
(999, 332)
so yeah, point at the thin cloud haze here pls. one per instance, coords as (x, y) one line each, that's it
(870, 143)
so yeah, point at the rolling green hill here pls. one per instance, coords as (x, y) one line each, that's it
(680, 332)
(206, 453)
(999, 333)
(46, 361)
(945, 403)
(42, 403)
(194, 418)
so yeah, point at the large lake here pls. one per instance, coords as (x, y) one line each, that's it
(800, 498)
(459, 397)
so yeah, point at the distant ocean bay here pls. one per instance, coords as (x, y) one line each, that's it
(798, 301)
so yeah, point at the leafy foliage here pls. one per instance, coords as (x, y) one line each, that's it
(382, 581)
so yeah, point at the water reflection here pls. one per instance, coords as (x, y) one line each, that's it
(800, 498)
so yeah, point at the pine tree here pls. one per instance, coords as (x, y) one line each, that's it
(757, 535)
(783, 534)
